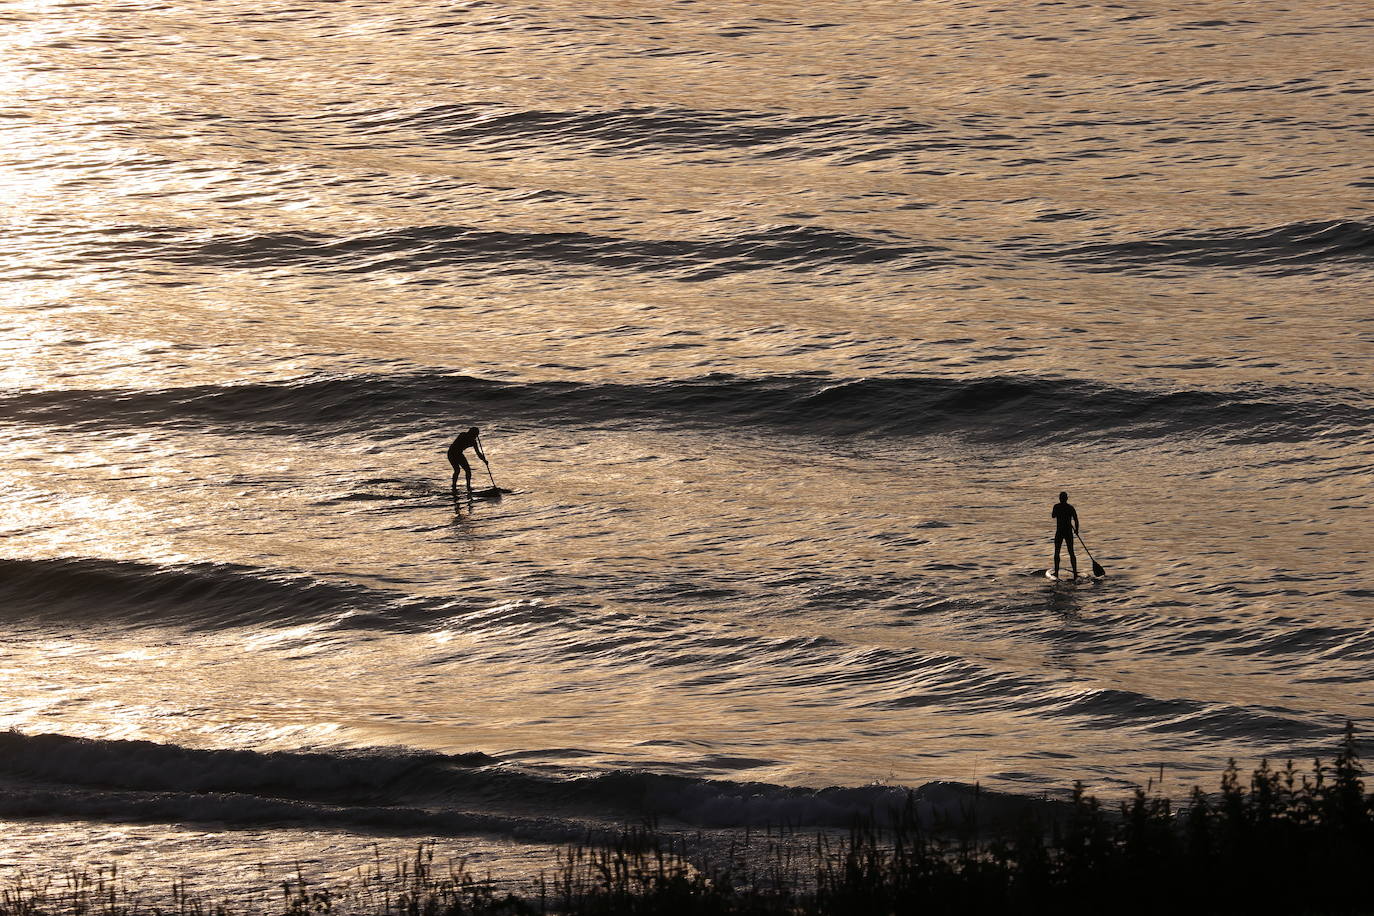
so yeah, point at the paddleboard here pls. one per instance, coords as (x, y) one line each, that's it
(1082, 577)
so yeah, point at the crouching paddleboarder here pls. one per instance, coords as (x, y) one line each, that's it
(469, 440)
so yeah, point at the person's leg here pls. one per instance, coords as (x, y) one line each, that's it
(467, 472)
(1058, 541)
(1073, 560)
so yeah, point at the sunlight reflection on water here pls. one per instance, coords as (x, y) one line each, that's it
(784, 325)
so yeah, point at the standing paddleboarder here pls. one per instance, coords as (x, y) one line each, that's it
(1065, 527)
(469, 440)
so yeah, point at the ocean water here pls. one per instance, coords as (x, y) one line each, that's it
(784, 322)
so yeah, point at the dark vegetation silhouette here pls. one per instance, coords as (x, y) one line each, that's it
(1284, 841)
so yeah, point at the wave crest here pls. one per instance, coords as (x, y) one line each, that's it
(794, 248)
(999, 408)
(1288, 248)
(423, 793)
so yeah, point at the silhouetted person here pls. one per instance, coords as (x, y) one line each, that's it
(465, 441)
(1065, 527)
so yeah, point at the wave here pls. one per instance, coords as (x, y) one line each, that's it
(794, 248)
(998, 408)
(75, 590)
(204, 595)
(1287, 248)
(424, 793)
(501, 130)
(161, 767)
(1115, 708)
(622, 131)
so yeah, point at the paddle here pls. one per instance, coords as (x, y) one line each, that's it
(488, 464)
(1097, 567)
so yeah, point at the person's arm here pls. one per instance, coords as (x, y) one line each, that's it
(1075, 521)
(476, 447)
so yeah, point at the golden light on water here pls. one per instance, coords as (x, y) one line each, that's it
(784, 324)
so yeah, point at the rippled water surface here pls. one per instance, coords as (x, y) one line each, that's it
(785, 323)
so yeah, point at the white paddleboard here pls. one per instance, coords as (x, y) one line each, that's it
(1069, 577)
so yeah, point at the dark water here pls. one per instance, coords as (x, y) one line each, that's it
(785, 324)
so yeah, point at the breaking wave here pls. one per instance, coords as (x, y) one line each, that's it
(426, 794)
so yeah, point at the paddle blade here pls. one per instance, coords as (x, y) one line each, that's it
(1097, 569)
